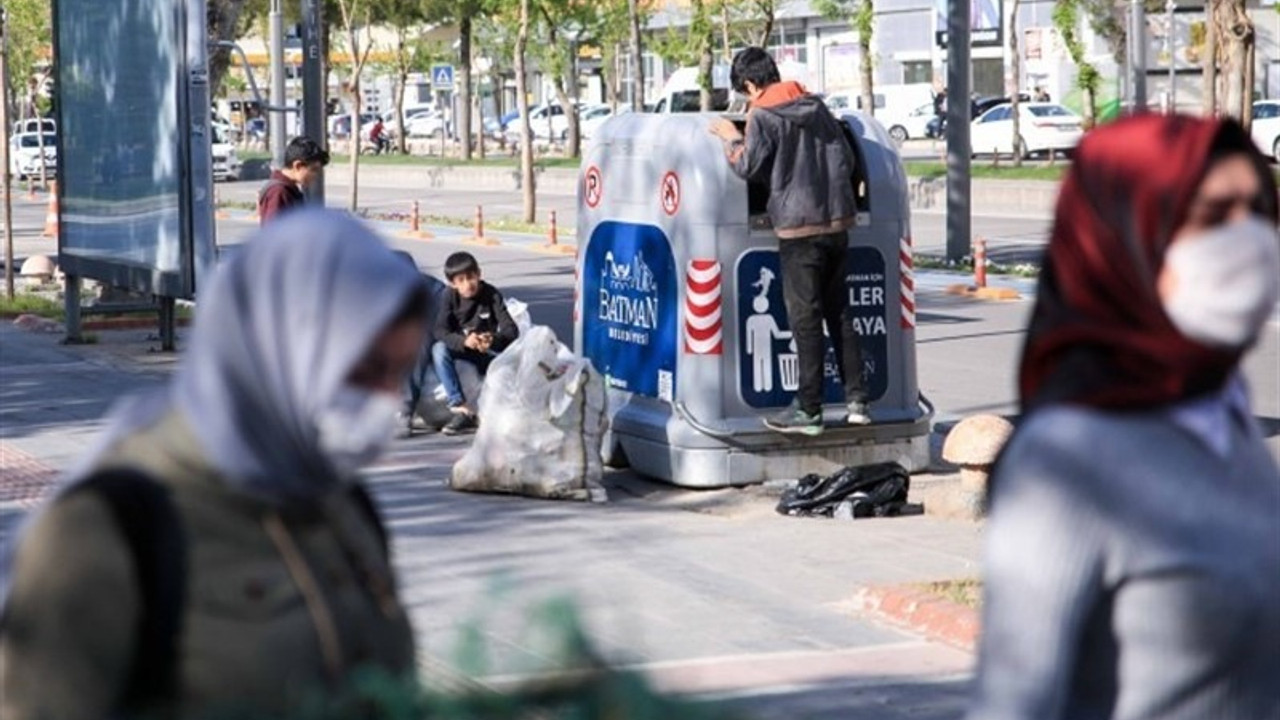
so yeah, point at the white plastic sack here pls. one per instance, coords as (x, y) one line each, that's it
(542, 416)
(433, 406)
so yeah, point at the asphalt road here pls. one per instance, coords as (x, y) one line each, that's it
(1009, 238)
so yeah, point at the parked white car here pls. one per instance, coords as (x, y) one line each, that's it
(226, 162)
(1266, 127)
(31, 125)
(1044, 127)
(425, 124)
(24, 155)
(911, 126)
(594, 117)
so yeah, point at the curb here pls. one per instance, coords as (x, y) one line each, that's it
(108, 324)
(923, 613)
(984, 293)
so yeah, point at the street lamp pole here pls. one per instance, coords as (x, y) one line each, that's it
(4, 151)
(1171, 49)
(1138, 53)
(276, 117)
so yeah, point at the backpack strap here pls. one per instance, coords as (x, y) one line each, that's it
(145, 513)
(363, 501)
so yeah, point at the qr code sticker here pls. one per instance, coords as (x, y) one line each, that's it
(666, 389)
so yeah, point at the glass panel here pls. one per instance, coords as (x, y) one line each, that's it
(917, 71)
(120, 179)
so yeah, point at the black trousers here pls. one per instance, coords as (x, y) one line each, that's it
(814, 290)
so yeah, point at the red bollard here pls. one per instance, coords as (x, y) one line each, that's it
(980, 263)
(479, 237)
(553, 239)
(415, 230)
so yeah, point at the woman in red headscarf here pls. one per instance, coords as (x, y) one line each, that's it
(1133, 549)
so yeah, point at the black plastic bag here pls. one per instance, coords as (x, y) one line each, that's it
(870, 491)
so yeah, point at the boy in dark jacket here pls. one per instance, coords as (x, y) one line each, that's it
(303, 158)
(797, 146)
(473, 325)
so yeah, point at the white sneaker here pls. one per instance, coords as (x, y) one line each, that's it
(858, 414)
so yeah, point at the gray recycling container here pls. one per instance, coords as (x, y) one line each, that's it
(679, 303)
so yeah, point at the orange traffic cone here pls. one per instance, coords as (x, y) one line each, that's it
(51, 217)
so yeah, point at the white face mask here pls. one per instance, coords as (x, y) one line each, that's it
(356, 427)
(1227, 281)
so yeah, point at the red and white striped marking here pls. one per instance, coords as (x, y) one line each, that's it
(703, 324)
(907, 284)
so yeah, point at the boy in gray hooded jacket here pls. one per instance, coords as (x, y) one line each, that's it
(798, 147)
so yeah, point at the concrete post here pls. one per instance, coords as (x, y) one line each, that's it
(313, 87)
(958, 146)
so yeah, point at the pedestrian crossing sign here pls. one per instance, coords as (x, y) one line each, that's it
(442, 77)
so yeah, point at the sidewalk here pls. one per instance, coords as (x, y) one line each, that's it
(709, 593)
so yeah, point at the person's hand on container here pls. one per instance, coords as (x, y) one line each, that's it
(725, 130)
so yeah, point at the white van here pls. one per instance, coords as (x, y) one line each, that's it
(682, 93)
(894, 106)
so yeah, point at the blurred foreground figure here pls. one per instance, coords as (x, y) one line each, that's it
(217, 554)
(1133, 552)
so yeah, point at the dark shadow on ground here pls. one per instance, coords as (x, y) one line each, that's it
(861, 700)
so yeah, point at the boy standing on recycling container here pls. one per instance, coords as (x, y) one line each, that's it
(798, 147)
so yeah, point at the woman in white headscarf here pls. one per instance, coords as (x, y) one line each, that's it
(217, 552)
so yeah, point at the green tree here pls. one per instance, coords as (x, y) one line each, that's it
(228, 21)
(496, 41)
(30, 46)
(1015, 96)
(692, 45)
(411, 53)
(861, 15)
(358, 17)
(522, 103)
(30, 36)
(465, 14)
(1066, 17)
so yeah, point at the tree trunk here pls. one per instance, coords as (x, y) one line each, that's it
(402, 80)
(867, 62)
(479, 100)
(44, 171)
(573, 147)
(1016, 75)
(572, 110)
(1210, 100)
(224, 23)
(402, 138)
(705, 63)
(464, 81)
(612, 73)
(1250, 67)
(637, 58)
(726, 51)
(526, 131)
(767, 30)
(1236, 32)
(355, 138)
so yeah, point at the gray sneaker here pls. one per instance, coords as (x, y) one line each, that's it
(460, 424)
(858, 414)
(794, 421)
